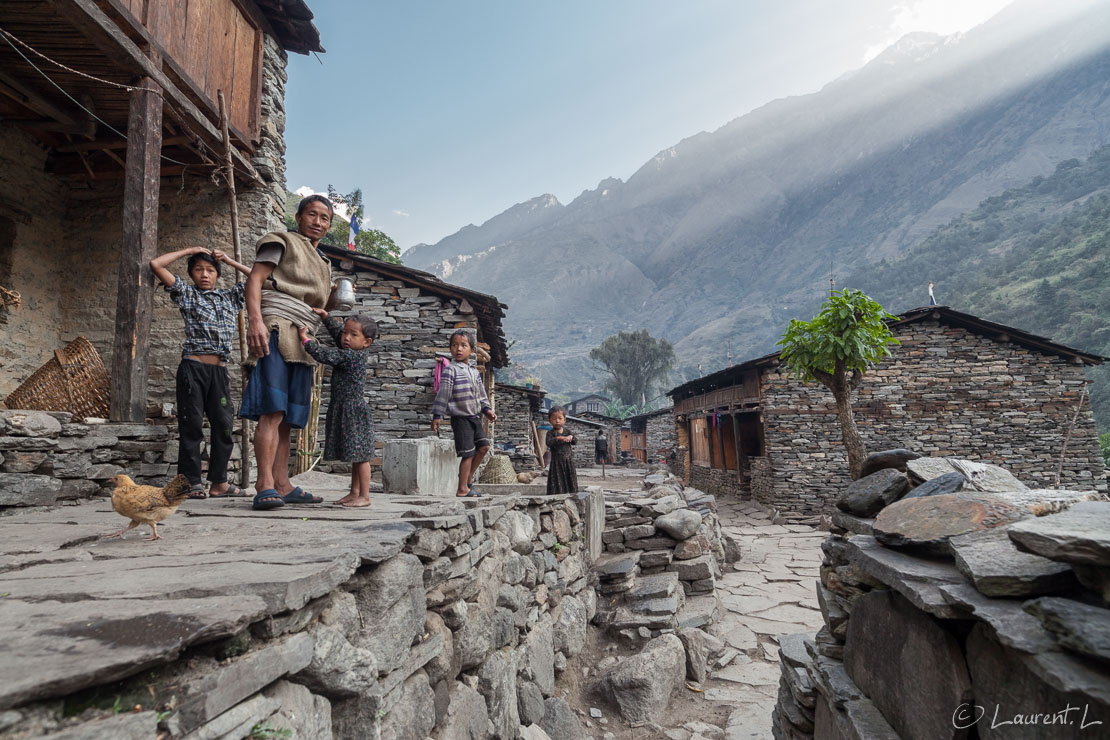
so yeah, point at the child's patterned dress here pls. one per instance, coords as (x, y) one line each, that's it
(349, 430)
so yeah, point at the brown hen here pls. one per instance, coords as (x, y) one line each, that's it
(147, 504)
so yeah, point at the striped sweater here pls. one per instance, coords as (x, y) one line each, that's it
(461, 392)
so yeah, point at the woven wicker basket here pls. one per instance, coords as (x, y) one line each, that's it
(498, 469)
(74, 380)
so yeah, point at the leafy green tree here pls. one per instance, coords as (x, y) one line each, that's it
(372, 242)
(634, 361)
(847, 338)
(1104, 445)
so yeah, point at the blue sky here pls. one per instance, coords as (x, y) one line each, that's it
(447, 113)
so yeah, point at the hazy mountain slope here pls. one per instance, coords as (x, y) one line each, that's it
(1035, 257)
(728, 235)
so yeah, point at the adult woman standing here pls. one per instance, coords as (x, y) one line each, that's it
(289, 284)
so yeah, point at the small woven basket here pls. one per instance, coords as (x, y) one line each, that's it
(498, 469)
(74, 380)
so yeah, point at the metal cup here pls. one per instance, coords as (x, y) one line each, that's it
(344, 294)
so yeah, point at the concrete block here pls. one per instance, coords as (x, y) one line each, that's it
(425, 466)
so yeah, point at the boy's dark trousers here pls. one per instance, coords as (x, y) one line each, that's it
(203, 390)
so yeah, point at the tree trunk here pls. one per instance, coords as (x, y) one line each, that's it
(853, 443)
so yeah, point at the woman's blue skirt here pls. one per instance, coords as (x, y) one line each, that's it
(276, 386)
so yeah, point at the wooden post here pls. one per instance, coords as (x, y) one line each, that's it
(139, 244)
(229, 175)
(739, 447)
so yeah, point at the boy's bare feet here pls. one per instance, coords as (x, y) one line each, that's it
(346, 499)
(356, 503)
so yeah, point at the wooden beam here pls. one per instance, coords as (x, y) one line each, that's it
(139, 244)
(87, 17)
(105, 144)
(24, 95)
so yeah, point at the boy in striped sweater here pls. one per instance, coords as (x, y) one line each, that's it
(462, 396)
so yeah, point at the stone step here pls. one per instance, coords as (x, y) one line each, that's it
(699, 611)
(654, 587)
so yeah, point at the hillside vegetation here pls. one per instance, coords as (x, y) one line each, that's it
(1035, 257)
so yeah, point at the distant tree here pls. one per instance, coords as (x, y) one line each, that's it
(634, 361)
(847, 338)
(371, 242)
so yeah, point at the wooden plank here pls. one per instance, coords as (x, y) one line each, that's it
(221, 47)
(194, 59)
(170, 28)
(87, 17)
(243, 75)
(138, 245)
(255, 124)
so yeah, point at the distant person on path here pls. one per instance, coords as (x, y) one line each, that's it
(462, 396)
(349, 430)
(203, 389)
(601, 449)
(289, 279)
(561, 475)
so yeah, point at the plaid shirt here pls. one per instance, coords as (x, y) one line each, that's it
(209, 317)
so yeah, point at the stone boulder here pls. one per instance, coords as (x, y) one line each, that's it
(466, 715)
(681, 524)
(887, 459)
(922, 469)
(1081, 628)
(520, 529)
(497, 682)
(20, 423)
(643, 684)
(1080, 535)
(559, 721)
(697, 645)
(998, 569)
(569, 629)
(947, 483)
(926, 524)
(413, 715)
(868, 495)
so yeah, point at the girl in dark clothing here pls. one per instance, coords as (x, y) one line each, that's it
(561, 475)
(350, 426)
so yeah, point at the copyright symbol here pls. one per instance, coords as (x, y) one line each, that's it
(967, 715)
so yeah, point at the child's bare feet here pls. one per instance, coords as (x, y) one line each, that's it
(346, 499)
(356, 503)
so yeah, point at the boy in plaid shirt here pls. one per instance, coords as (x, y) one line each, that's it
(202, 383)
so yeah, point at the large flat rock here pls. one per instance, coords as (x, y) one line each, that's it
(926, 524)
(1079, 535)
(78, 610)
(997, 568)
(918, 579)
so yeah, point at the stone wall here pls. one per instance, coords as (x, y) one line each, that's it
(45, 458)
(612, 429)
(459, 629)
(664, 552)
(413, 326)
(661, 435)
(65, 252)
(943, 392)
(583, 449)
(988, 646)
(515, 408)
(718, 482)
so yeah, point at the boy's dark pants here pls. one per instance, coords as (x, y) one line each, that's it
(203, 390)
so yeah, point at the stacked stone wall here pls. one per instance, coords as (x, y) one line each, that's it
(65, 256)
(413, 326)
(583, 448)
(718, 482)
(661, 436)
(462, 630)
(514, 426)
(46, 458)
(944, 391)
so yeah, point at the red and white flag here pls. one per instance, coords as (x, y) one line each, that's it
(352, 233)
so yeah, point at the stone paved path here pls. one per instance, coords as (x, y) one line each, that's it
(770, 592)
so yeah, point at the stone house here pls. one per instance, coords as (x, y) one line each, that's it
(612, 428)
(594, 402)
(957, 385)
(652, 435)
(87, 202)
(416, 313)
(517, 409)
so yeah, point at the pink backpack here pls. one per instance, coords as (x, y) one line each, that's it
(441, 364)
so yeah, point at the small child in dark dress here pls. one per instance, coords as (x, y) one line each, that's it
(561, 475)
(349, 430)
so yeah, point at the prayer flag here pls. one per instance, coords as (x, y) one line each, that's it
(353, 233)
